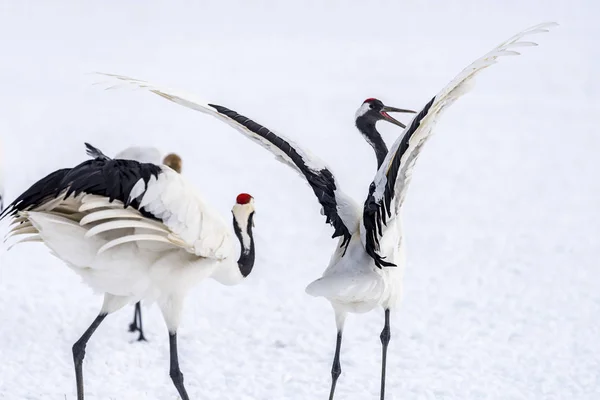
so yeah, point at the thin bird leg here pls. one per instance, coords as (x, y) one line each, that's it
(336, 368)
(175, 372)
(385, 340)
(141, 338)
(134, 325)
(79, 353)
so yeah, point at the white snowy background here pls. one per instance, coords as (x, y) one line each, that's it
(502, 288)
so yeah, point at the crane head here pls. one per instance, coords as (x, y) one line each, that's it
(374, 110)
(243, 208)
(243, 216)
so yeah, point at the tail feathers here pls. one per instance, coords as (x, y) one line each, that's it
(25, 239)
(66, 239)
(347, 288)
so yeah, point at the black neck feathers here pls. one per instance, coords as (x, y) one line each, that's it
(366, 126)
(247, 256)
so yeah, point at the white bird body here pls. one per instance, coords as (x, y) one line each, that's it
(142, 154)
(353, 283)
(367, 269)
(161, 259)
(134, 232)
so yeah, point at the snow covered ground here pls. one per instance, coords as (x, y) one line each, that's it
(502, 289)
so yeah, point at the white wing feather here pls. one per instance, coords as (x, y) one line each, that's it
(341, 211)
(193, 102)
(185, 220)
(125, 224)
(188, 219)
(460, 85)
(133, 238)
(386, 198)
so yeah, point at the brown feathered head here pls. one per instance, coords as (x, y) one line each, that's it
(173, 161)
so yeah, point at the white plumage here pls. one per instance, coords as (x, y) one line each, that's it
(134, 231)
(104, 241)
(143, 154)
(366, 269)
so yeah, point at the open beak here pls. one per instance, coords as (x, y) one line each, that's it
(385, 110)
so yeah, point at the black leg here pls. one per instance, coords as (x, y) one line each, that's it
(175, 372)
(138, 307)
(336, 368)
(385, 340)
(79, 353)
(136, 325)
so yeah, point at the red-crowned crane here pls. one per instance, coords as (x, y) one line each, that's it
(143, 154)
(134, 231)
(366, 269)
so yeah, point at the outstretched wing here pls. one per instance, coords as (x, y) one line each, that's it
(340, 210)
(388, 189)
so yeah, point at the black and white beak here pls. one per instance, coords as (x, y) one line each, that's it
(387, 117)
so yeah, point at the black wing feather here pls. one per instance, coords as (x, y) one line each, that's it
(322, 182)
(42, 191)
(101, 176)
(375, 213)
(95, 152)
